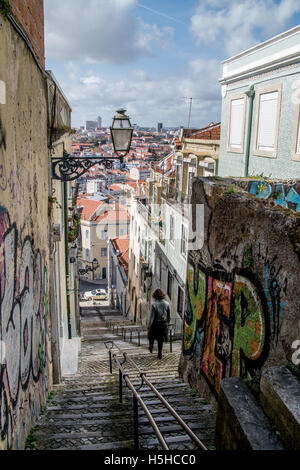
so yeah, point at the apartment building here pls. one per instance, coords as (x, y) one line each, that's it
(118, 260)
(100, 222)
(261, 110)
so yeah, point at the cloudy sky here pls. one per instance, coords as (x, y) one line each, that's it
(149, 56)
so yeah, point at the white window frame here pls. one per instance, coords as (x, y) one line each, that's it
(229, 146)
(263, 91)
(295, 149)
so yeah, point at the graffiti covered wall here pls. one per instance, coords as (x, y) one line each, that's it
(23, 320)
(25, 370)
(241, 309)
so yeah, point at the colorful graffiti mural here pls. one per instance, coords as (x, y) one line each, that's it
(23, 327)
(225, 325)
(288, 198)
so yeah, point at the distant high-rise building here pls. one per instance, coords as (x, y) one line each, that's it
(90, 125)
(99, 122)
(159, 126)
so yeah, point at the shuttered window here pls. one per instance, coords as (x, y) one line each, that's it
(237, 123)
(267, 123)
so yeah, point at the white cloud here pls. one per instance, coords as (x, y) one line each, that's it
(99, 31)
(146, 99)
(237, 25)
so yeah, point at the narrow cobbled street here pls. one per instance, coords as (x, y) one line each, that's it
(84, 412)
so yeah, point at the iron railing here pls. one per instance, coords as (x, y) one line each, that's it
(137, 399)
(127, 327)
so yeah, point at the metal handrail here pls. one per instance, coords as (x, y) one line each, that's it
(167, 405)
(124, 326)
(146, 410)
(137, 398)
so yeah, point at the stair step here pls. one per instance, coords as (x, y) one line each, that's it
(176, 428)
(81, 435)
(109, 386)
(175, 442)
(118, 445)
(84, 399)
(68, 419)
(183, 410)
(86, 406)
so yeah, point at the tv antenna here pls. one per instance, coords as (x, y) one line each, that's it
(190, 109)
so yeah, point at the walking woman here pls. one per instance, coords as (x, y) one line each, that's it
(159, 321)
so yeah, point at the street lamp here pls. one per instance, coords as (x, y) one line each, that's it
(71, 167)
(121, 133)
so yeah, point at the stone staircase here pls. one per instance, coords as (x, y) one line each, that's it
(83, 412)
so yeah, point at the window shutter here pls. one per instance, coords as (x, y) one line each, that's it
(236, 123)
(267, 121)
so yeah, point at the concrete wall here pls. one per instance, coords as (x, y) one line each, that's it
(24, 239)
(242, 311)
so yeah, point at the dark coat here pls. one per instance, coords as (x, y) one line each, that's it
(159, 320)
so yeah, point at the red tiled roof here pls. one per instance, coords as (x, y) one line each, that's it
(210, 132)
(89, 207)
(116, 187)
(113, 215)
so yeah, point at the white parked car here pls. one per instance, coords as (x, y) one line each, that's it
(97, 294)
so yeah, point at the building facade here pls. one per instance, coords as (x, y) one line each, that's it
(118, 257)
(260, 110)
(100, 222)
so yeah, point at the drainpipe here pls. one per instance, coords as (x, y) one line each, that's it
(251, 94)
(65, 189)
